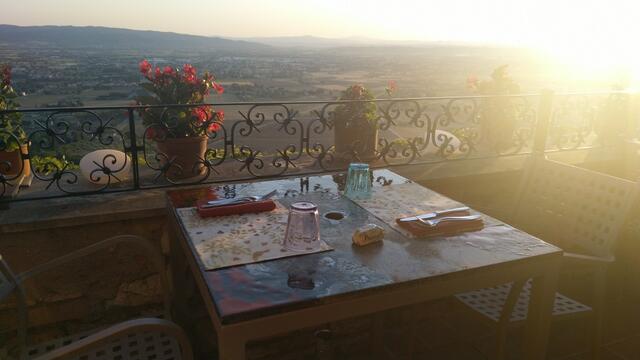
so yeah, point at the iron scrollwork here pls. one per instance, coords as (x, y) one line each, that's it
(264, 140)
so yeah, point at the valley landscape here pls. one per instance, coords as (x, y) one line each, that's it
(91, 66)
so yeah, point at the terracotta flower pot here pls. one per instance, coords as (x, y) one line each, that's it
(13, 157)
(186, 152)
(498, 123)
(358, 136)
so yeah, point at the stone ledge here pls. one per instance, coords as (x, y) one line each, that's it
(82, 210)
(494, 165)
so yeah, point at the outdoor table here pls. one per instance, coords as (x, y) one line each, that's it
(256, 301)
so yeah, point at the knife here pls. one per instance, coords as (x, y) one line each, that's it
(434, 214)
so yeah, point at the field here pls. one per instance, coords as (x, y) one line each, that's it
(50, 77)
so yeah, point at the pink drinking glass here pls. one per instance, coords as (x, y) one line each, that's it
(303, 227)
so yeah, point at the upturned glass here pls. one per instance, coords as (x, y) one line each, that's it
(303, 227)
(358, 181)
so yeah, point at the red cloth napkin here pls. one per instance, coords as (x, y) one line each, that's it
(444, 228)
(250, 207)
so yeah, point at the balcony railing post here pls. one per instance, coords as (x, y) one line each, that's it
(543, 120)
(632, 136)
(633, 116)
(133, 139)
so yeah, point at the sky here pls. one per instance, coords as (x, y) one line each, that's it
(502, 21)
(591, 34)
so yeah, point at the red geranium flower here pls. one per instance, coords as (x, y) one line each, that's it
(5, 75)
(202, 113)
(155, 133)
(168, 70)
(215, 126)
(189, 69)
(145, 66)
(218, 88)
(158, 72)
(358, 90)
(392, 86)
(191, 79)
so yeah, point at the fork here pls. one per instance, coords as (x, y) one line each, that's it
(435, 222)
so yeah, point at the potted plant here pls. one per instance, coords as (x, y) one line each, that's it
(355, 128)
(14, 159)
(47, 165)
(179, 132)
(497, 113)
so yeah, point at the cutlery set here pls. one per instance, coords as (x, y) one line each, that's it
(432, 219)
(240, 200)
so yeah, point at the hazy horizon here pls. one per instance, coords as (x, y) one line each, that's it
(346, 37)
(594, 36)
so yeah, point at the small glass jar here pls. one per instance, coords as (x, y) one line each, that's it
(358, 181)
(303, 227)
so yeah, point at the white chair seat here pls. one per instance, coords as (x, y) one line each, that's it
(40, 349)
(134, 346)
(490, 301)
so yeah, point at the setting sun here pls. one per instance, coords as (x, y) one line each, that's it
(590, 38)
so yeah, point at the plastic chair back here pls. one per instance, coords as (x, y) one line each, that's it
(575, 208)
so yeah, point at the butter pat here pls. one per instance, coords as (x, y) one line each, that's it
(368, 234)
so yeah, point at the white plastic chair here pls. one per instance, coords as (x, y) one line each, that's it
(147, 338)
(582, 212)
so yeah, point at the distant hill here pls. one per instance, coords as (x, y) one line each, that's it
(112, 38)
(309, 41)
(304, 41)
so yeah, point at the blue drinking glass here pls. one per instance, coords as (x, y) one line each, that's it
(358, 181)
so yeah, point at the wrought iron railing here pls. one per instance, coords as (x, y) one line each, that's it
(274, 139)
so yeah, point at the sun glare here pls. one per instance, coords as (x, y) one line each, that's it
(598, 54)
(590, 39)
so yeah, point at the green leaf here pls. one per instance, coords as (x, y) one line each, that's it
(149, 87)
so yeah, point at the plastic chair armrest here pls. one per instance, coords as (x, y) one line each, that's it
(588, 261)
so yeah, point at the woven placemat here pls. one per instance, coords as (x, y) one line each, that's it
(239, 239)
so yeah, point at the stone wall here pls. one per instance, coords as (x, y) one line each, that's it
(86, 292)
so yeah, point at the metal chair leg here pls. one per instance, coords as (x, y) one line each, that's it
(503, 323)
(377, 336)
(598, 314)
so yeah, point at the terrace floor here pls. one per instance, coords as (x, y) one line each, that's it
(445, 330)
(451, 331)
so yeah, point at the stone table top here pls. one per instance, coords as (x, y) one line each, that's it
(254, 290)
